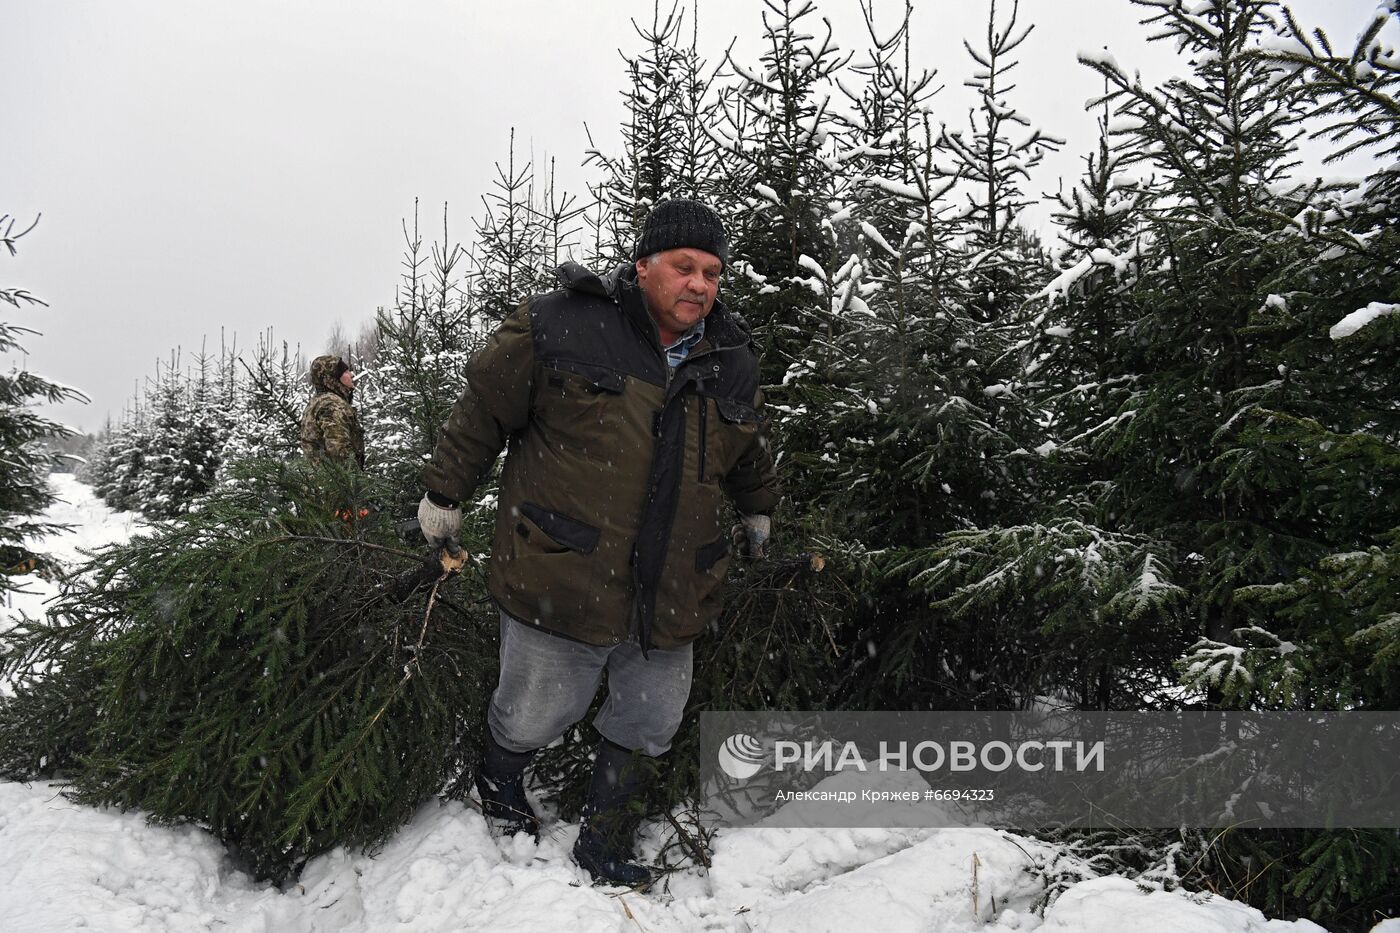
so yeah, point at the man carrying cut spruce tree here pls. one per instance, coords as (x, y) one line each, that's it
(629, 406)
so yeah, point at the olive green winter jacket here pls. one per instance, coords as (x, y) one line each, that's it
(609, 524)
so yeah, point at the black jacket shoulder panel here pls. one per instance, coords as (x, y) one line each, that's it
(586, 326)
(584, 323)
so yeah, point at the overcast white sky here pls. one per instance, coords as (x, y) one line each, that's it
(237, 166)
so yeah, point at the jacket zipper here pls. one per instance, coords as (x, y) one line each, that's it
(704, 409)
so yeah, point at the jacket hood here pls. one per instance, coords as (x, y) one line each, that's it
(578, 278)
(325, 376)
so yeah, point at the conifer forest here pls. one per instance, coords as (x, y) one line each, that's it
(1145, 456)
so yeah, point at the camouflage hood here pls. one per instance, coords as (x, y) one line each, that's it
(325, 376)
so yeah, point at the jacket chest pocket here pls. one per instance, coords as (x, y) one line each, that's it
(582, 411)
(728, 427)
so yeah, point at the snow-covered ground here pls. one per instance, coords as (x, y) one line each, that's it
(93, 525)
(64, 867)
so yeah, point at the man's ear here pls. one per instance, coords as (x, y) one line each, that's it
(641, 268)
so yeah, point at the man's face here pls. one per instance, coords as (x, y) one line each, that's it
(680, 287)
(347, 379)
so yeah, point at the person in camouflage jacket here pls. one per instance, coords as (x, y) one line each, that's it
(630, 409)
(330, 429)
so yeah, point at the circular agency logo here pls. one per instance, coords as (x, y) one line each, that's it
(741, 756)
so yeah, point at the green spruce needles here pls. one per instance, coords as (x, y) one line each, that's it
(253, 668)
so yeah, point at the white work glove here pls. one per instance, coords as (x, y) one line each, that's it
(439, 524)
(751, 535)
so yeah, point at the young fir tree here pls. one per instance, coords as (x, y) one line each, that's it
(900, 245)
(1339, 428)
(557, 214)
(1325, 443)
(200, 447)
(1115, 617)
(1221, 145)
(256, 668)
(1222, 348)
(1101, 226)
(181, 438)
(166, 411)
(668, 98)
(857, 397)
(512, 241)
(1104, 560)
(777, 133)
(185, 441)
(922, 432)
(424, 343)
(1001, 262)
(24, 464)
(119, 464)
(265, 406)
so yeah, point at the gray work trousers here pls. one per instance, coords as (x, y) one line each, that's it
(548, 682)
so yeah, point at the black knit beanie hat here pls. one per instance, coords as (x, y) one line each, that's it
(683, 223)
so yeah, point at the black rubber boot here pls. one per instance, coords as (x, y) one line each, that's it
(608, 824)
(501, 784)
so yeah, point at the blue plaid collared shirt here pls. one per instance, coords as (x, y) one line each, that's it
(679, 350)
